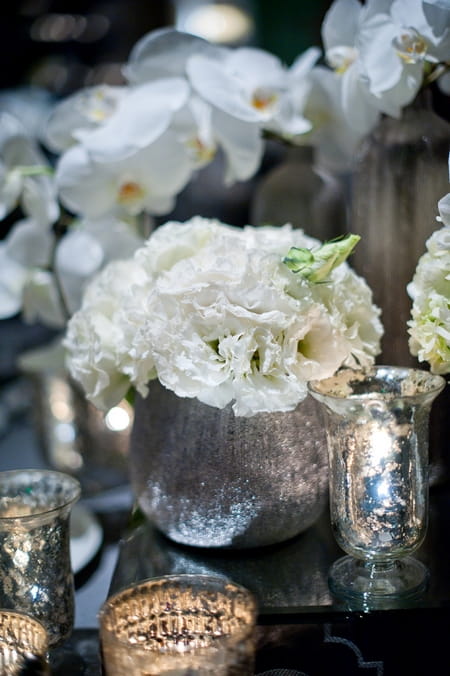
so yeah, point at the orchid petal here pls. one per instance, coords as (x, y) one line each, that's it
(142, 116)
(437, 15)
(163, 53)
(220, 89)
(29, 244)
(83, 189)
(12, 279)
(303, 64)
(85, 109)
(341, 23)
(41, 301)
(381, 63)
(356, 103)
(444, 209)
(242, 144)
(257, 67)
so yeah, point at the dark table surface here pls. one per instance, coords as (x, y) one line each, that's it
(302, 628)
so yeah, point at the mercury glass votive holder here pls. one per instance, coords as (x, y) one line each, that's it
(23, 644)
(179, 624)
(377, 424)
(36, 572)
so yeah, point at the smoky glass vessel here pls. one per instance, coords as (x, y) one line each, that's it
(377, 424)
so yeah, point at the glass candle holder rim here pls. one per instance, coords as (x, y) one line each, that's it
(46, 510)
(109, 602)
(317, 388)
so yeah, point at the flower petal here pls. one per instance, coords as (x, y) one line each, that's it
(141, 117)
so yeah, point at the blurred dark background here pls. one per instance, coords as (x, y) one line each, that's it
(64, 44)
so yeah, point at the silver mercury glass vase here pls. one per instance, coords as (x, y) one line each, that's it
(207, 478)
(377, 428)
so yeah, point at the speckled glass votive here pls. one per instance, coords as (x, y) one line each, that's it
(23, 641)
(179, 624)
(36, 573)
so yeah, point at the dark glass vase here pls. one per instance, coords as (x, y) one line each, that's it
(296, 191)
(400, 175)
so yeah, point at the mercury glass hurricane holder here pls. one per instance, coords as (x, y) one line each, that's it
(36, 573)
(179, 624)
(23, 644)
(377, 424)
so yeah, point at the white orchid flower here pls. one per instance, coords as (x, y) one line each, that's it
(247, 83)
(394, 46)
(143, 114)
(145, 181)
(83, 111)
(164, 53)
(204, 130)
(25, 180)
(380, 49)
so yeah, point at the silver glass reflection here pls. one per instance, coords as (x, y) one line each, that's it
(377, 431)
(36, 573)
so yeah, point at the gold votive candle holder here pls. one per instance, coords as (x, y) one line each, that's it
(179, 624)
(23, 641)
(36, 573)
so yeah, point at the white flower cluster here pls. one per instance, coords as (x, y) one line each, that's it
(213, 312)
(429, 327)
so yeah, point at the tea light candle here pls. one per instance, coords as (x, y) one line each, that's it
(23, 640)
(196, 624)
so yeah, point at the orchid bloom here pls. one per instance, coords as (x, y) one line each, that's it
(380, 50)
(248, 84)
(201, 127)
(148, 180)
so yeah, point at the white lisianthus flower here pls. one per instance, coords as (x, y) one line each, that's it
(429, 327)
(213, 312)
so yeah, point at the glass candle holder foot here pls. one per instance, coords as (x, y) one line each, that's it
(354, 578)
(377, 435)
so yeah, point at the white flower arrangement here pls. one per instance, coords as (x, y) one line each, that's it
(429, 327)
(124, 153)
(222, 314)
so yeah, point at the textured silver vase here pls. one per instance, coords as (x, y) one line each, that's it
(207, 478)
